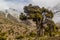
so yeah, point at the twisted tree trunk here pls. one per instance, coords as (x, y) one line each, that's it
(39, 26)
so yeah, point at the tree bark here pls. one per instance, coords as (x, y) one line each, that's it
(39, 26)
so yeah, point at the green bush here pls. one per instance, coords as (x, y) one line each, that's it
(19, 37)
(2, 36)
(32, 34)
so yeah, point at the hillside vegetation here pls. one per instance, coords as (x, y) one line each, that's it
(26, 29)
(10, 29)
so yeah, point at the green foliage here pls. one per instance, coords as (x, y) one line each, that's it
(2, 33)
(19, 37)
(39, 16)
(32, 34)
(36, 12)
(2, 36)
(32, 15)
(51, 29)
(49, 14)
(23, 17)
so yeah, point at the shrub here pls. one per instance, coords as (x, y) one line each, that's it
(32, 34)
(2, 36)
(19, 37)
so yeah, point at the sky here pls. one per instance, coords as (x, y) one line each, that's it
(19, 4)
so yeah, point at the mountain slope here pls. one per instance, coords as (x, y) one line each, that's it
(12, 29)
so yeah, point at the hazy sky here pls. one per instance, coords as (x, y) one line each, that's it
(19, 4)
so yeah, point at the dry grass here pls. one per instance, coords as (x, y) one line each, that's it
(21, 31)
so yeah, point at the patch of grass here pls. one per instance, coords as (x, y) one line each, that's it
(2, 36)
(19, 37)
(32, 34)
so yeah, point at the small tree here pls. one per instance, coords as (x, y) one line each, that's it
(39, 15)
(23, 17)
